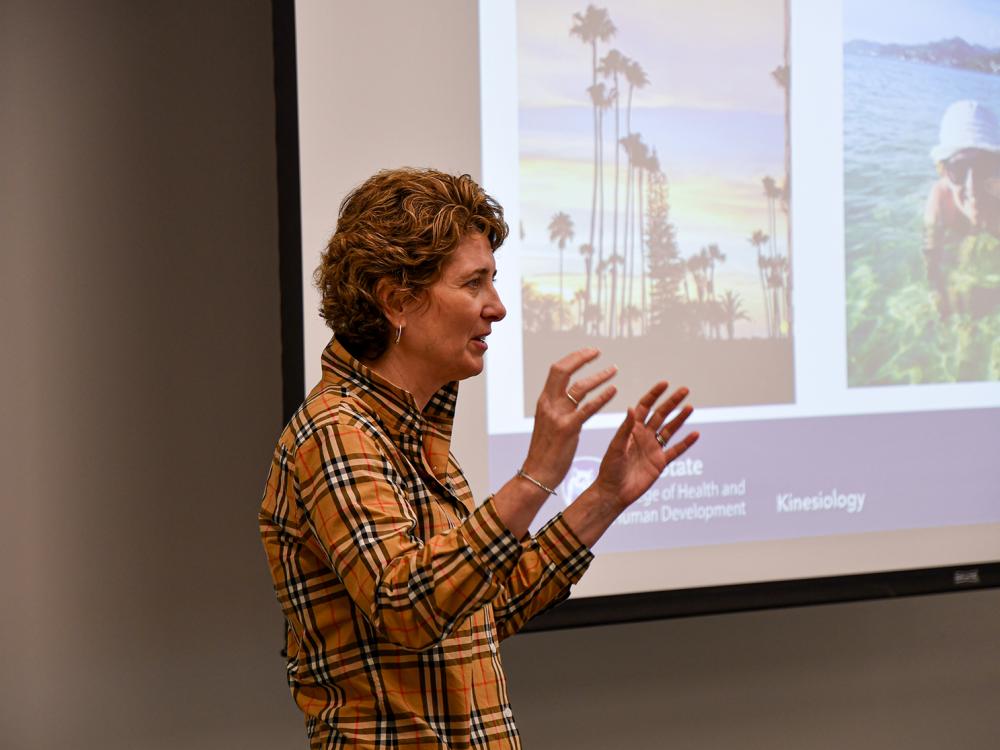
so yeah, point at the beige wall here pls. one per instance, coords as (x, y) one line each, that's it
(140, 399)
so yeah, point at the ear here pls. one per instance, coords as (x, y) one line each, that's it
(393, 302)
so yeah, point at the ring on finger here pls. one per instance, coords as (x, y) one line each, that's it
(661, 440)
(570, 397)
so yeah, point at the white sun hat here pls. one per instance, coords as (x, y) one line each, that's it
(967, 124)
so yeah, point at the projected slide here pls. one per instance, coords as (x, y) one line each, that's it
(790, 207)
(922, 193)
(648, 171)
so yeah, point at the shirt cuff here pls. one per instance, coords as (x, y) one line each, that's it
(562, 546)
(490, 539)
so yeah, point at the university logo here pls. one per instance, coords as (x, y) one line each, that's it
(580, 476)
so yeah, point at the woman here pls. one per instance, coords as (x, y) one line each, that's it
(395, 585)
(964, 202)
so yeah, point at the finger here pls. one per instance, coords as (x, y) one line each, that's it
(676, 450)
(562, 370)
(581, 388)
(667, 406)
(647, 401)
(620, 439)
(671, 427)
(590, 407)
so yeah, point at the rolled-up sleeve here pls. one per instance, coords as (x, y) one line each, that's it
(413, 591)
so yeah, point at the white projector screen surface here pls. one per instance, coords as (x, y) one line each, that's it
(730, 195)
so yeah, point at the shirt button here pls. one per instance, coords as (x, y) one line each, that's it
(507, 713)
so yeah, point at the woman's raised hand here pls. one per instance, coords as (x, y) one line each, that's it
(562, 409)
(640, 449)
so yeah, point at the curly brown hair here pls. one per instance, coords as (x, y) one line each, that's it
(400, 226)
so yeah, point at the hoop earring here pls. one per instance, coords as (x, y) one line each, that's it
(399, 333)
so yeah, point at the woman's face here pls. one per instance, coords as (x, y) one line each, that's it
(972, 175)
(444, 334)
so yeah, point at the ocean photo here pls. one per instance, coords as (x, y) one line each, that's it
(923, 296)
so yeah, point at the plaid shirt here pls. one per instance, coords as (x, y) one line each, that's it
(395, 586)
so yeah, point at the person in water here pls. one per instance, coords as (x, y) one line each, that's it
(965, 200)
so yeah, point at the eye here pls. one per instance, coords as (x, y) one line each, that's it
(474, 283)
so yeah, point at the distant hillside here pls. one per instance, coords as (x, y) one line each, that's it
(951, 53)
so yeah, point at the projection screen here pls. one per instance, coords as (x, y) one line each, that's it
(767, 202)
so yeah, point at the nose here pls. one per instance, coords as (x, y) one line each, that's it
(495, 309)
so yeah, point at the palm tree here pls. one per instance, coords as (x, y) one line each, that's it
(587, 252)
(764, 267)
(758, 239)
(776, 281)
(714, 318)
(538, 310)
(631, 314)
(601, 269)
(731, 307)
(632, 144)
(783, 77)
(775, 195)
(593, 26)
(601, 101)
(592, 317)
(714, 256)
(580, 297)
(636, 78)
(614, 262)
(698, 265)
(560, 231)
(772, 192)
(695, 265)
(611, 66)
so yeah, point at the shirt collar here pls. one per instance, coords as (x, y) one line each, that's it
(396, 406)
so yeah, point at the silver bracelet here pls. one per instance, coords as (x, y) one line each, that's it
(539, 485)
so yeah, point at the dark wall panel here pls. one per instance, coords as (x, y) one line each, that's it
(139, 200)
